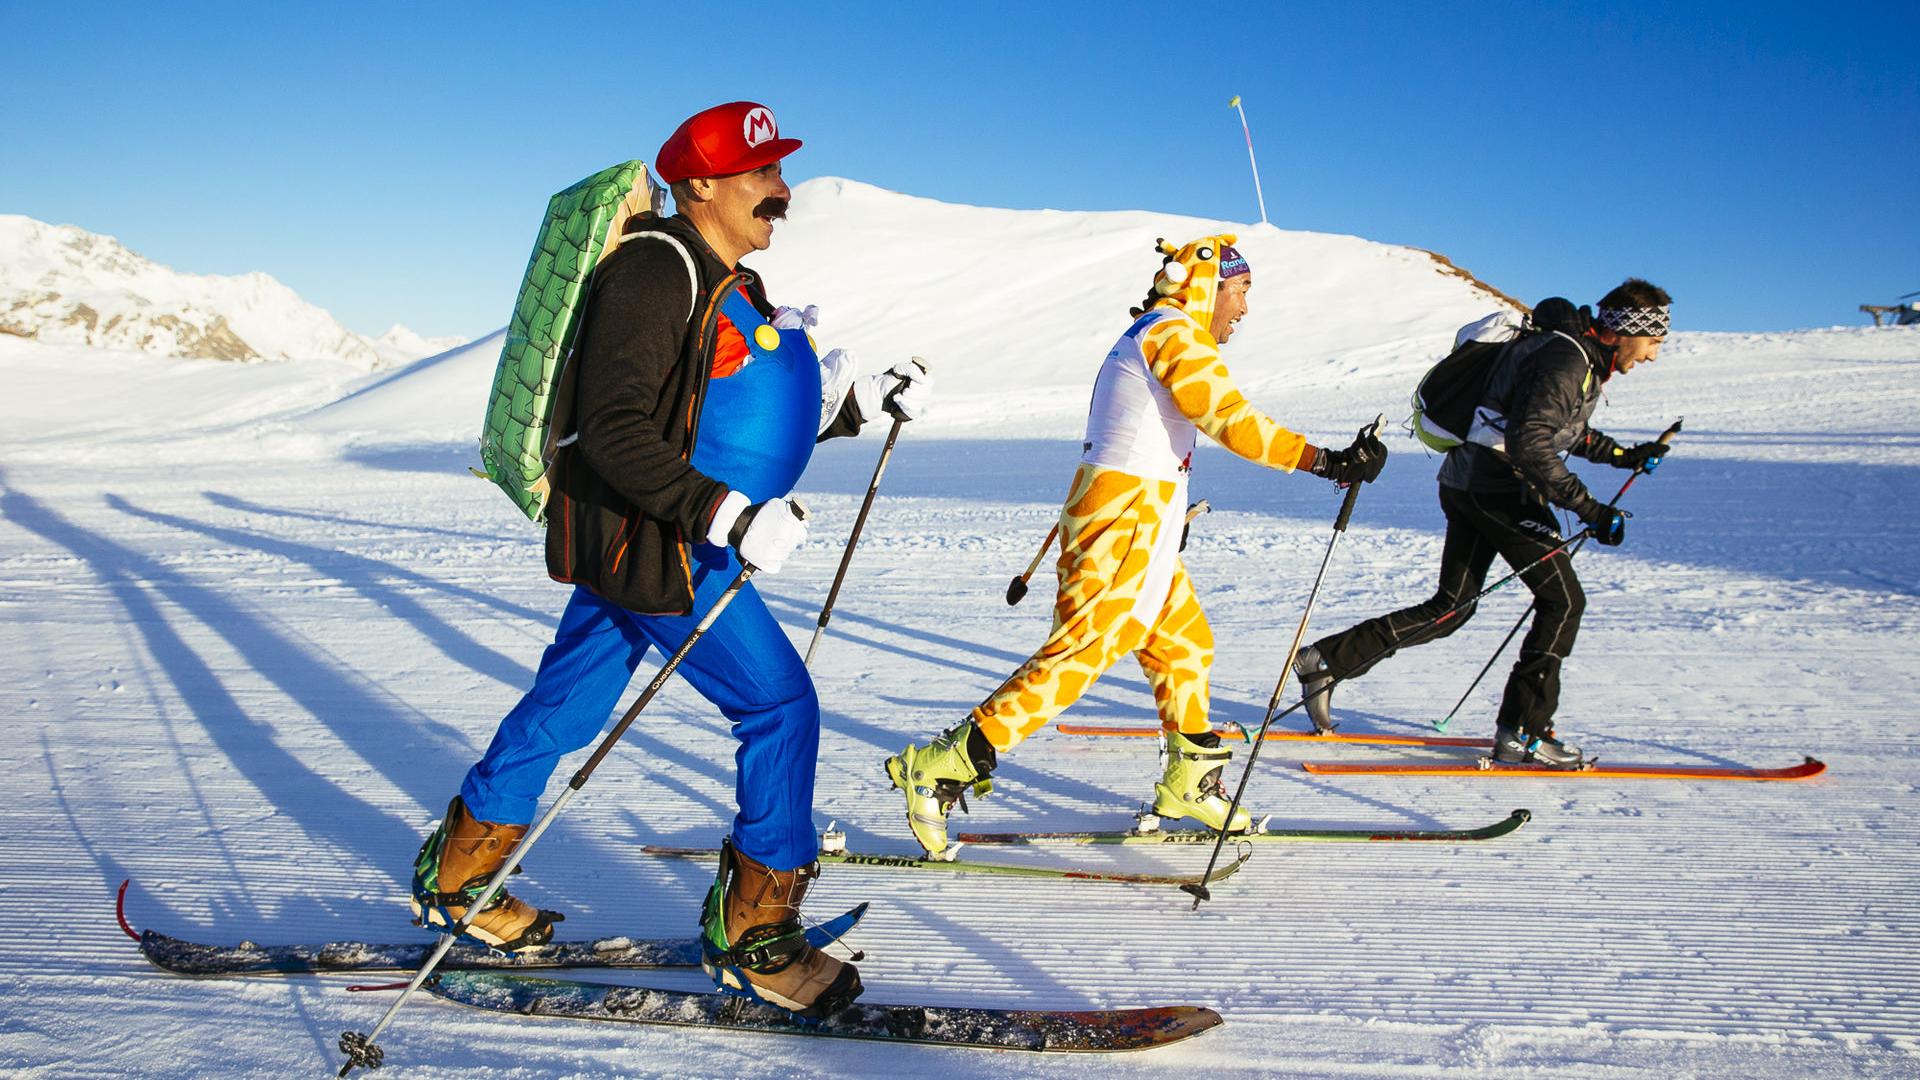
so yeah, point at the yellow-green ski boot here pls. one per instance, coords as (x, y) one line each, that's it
(939, 775)
(1191, 786)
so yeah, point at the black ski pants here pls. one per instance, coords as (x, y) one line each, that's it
(1520, 530)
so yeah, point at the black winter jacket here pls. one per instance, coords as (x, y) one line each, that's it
(626, 504)
(1541, 393)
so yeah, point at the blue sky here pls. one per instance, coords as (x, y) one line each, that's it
(390, 163)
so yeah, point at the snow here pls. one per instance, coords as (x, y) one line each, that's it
(258, 619)
(64, 285)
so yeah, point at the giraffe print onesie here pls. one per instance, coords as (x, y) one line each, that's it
(1122, 586)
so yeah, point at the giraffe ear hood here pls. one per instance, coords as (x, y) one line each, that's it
(1189, 276)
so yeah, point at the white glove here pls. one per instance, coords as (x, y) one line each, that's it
(764, 535)
(838, 375)
(904, 390)
(787, 318)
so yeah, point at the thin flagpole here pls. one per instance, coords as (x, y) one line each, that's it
(1257, 193)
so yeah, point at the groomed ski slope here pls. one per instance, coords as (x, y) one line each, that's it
(257, 621)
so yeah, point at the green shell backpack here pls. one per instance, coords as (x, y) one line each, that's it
(583, 225)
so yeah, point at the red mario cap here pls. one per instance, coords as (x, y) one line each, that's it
(721, 141)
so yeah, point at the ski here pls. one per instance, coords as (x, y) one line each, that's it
(1091, 1031)
(1499, 828)
(191, 958)
(1806, 770)
(960, 866)
(1234, 733)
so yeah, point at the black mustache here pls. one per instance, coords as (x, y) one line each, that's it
(774, 208)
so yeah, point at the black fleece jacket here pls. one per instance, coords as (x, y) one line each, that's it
(626, 504)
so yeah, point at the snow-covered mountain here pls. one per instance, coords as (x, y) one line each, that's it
(1015, 308)
(65, 285)
(400, 344)
(1007, 298)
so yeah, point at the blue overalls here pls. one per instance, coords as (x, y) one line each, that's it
(756, 434)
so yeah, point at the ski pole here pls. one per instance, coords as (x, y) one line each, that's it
(1199, 888)
(866, 505)
(1017, 589)
(361, 1050)
(1666, 437)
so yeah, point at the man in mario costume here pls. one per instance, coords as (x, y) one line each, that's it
(697, 406)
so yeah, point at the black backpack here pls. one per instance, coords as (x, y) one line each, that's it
(1446, 396)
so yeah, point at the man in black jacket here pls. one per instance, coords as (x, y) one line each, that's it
(690, 408)
(1497, 490)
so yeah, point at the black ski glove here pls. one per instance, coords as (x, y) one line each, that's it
(1646, 457)
(1359, 463)
(1608, 524)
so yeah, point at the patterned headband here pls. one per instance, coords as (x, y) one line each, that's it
(1635, 321)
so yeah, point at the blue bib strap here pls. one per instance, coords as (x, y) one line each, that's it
(1145, 320)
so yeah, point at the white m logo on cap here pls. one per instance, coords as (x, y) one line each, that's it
(759, 126)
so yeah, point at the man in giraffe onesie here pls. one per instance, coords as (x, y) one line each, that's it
(1122, 586)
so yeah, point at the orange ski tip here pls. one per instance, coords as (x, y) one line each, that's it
(1806, 770)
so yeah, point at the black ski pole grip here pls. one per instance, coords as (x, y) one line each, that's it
(1353, 489)
(919, 362)
(1017, 588)
(1346, 507)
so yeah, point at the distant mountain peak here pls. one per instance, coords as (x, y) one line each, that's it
(64, 285)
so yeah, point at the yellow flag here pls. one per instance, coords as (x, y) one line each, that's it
(1235, 103)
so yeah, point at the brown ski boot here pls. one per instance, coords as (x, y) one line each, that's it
(753, 944)
(453, 868)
